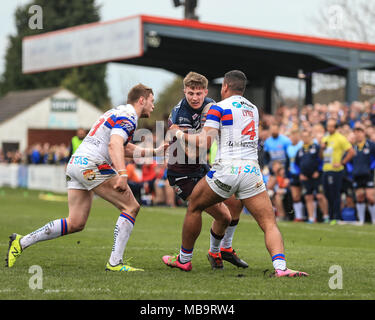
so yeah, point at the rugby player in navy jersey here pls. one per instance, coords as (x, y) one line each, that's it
(185, 173)
(309, 165)
(363, 164)
(295, 183)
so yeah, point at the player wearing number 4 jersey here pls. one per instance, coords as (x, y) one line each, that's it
(234, 121)
(98, 166)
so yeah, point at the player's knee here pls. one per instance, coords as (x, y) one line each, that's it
(224, 221)
(268, 225)
(227, 220)
(370, 200)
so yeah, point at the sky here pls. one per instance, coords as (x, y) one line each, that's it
(290, 16)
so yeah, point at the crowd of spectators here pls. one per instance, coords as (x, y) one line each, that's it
(150, 186)
(38, 154)
(296, 197)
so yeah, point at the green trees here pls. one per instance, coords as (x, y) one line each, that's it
(88, 82)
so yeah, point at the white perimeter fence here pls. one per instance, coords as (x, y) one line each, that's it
(36, 177)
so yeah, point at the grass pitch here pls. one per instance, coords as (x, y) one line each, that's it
(73, 265)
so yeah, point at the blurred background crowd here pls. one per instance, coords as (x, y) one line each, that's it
(38, 154)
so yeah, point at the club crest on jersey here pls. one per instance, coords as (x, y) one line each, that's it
(259, 184)
(183, 120)
(89, 174)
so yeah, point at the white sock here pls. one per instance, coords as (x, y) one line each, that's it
(315, 209)
(226, 242)
(278, 261)
(361, 211)
(298, 210)
(123, 229)
(215, 241)
(185, 255)
(51, 230)
(372, 212)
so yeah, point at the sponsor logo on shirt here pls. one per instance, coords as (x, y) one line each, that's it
(93, 141)
(246, 169)
(222, 186)
(78, 160)
(245, 144)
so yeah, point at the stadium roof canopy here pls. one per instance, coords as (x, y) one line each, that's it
(211, 49)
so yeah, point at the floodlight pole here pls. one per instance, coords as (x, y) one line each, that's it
(301, 76)
(190, 6)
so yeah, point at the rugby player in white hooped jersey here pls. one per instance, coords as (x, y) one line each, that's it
(98, 166)
(234, 121)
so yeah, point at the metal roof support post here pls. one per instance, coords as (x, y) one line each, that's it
(308, 90)
(352, 85)
(268, 90)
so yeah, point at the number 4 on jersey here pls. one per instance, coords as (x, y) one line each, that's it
(249, 130)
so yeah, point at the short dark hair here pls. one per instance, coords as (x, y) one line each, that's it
(138, 91)
(236, 81)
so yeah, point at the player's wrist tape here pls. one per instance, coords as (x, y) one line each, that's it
(179, 134)
(122, 173)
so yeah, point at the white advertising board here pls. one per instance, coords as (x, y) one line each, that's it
(83, 45)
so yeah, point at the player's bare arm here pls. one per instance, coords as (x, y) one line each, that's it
(132, 150)
(204, 139)
(117, 153)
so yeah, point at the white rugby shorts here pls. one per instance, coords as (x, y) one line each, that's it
(84, 173)
(243, 178)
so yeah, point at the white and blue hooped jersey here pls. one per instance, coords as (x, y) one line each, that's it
(237, 120)
(121, 120)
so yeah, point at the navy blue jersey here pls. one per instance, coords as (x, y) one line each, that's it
(186, 118)
(307, 159)
(363, 163)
